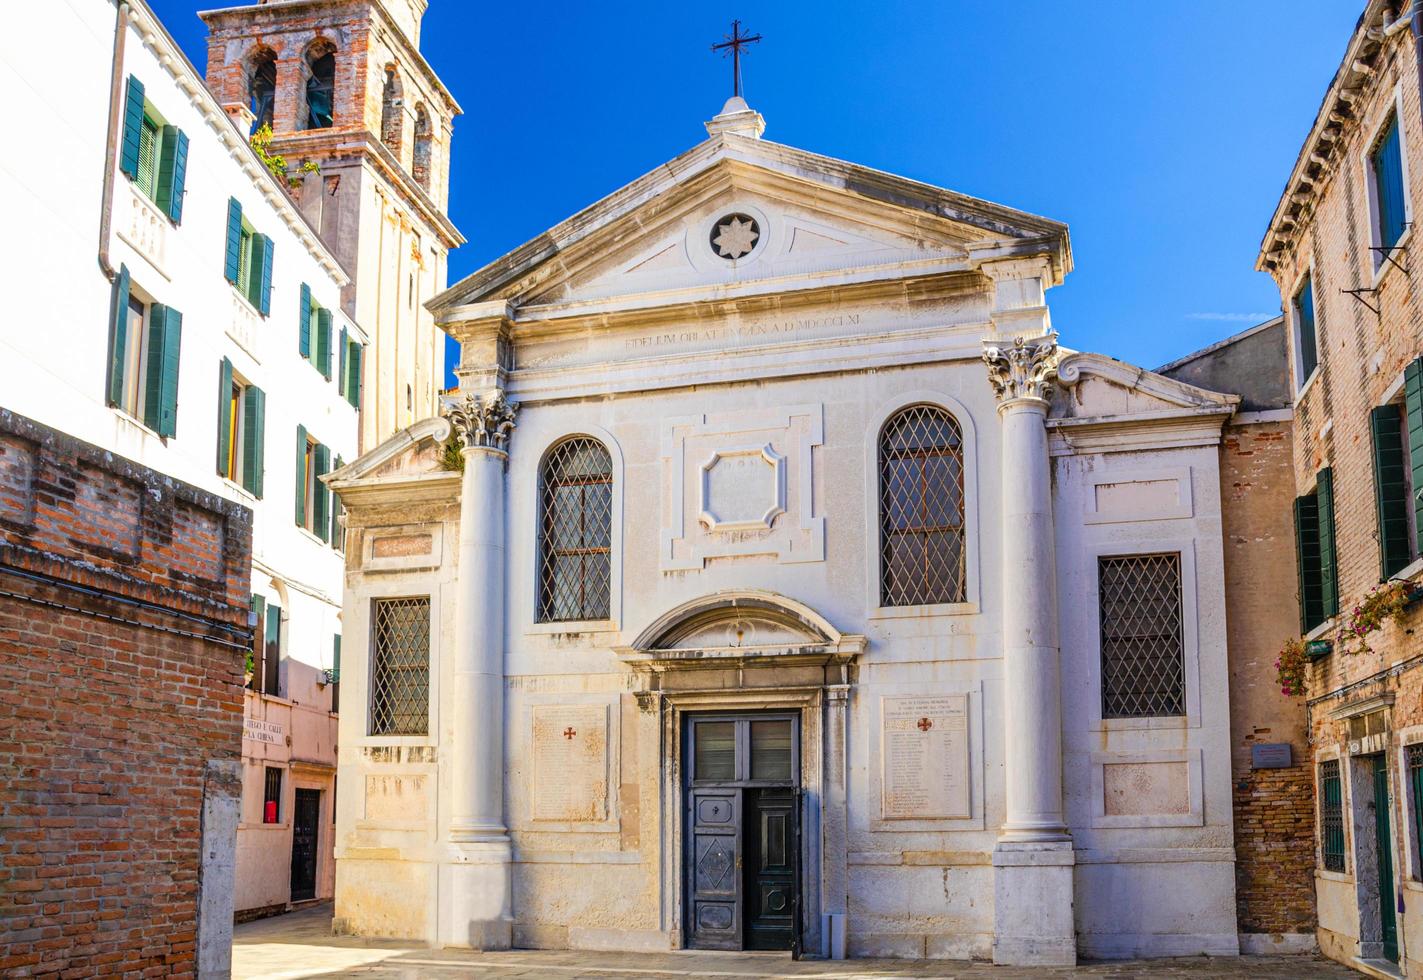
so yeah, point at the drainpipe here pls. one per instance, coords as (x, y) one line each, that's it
(106, 204)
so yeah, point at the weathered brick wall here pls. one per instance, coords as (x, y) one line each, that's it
(1274, 812)
(123, 617)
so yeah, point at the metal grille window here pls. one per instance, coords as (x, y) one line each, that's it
(576, 532)
(921, 503)
(272, 796)
(1331, 816)
(1415, 785)
(1143, 669)
(400, 666)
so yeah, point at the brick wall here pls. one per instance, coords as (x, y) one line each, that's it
(1274, 810)
(123, 618)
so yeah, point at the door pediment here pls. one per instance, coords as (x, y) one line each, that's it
(739, 629)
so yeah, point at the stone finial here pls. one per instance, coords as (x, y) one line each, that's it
(738, 118)
(483, 421)
(1026, 368)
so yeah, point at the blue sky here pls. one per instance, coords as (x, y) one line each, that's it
(1161, 133)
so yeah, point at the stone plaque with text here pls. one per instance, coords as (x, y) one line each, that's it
(570, 753)
(925, 758)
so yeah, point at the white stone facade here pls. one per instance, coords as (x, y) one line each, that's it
(54, 356)
(546, 802)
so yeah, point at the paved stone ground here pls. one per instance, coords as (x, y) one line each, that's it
(300, 944)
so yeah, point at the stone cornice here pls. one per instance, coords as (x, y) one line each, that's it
(157, 39)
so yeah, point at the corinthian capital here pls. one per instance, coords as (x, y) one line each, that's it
(483, 421)
(1023, 369)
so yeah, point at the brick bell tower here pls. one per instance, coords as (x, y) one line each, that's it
(343, 85)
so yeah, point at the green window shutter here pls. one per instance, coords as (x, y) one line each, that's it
(336, 658)
(172, 347)
(118, 339)
(1413, 423)
(353, 383)
(262, 247)
(254, 439)
(1390, 490)
(133, 128)
(341, 364)
(304, 323)
(1328, 557)
(323, 342)
(1388, 186)
(233, 265)
(272, 662)
(337, 508)
(172, 171)
(1311, 602)
(224, 419)
(153, 374)
(301, 476)
(321, 496)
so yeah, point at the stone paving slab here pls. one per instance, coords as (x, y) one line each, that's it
(299, 944)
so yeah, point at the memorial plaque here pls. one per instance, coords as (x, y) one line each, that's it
(924, 758)
(570, 750)
(1271, 755)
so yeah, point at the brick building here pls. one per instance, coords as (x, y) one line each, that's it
(1270, 765)
(123, 624)
(1339, 247)
(343, 85)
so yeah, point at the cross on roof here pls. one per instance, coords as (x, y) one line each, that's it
(734, 42)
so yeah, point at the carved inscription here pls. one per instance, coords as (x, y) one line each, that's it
(762, 332)
(924, 746)
(401, 545)
(570, 749)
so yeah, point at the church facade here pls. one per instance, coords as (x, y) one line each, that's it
(779, 581)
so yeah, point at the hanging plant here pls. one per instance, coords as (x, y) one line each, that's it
(1290, 668)
(1383, 603)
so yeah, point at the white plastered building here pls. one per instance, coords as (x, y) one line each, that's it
(796, 589)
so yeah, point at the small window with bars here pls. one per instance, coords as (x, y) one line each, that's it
(576, 532)
(1143, 662)
(400, 666)
(1415, 792)
(921, 507)
(1331, 816)
(272, 796)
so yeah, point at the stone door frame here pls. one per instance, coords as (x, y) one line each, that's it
(822, 713)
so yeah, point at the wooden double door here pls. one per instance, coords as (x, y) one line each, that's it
(743, 808)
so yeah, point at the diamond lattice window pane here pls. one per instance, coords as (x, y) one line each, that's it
(921, 508)
(1331, 816)
(576, 534)
(1143, 669)
(400, 666)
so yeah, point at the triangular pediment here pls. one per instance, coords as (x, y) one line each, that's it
(415, 453)
(800, 219)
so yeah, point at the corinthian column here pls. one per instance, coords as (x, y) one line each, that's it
(478, 909)
(1033, 858)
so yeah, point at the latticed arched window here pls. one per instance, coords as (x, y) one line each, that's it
(921, 505)
(576, 532)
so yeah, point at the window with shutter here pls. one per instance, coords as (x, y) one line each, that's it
(145, 341)
(1306, 336)
(146, 178)
(259, 641)
(341, 364)
(272, 654)
(304, 322)
(1311, 597)
(168, 384)
(338, 533)
(118, 338)
(229, 420)
(1391, 493)
(172, 172)
(254, 421)
(1331, 816)
(323, 342)
(320, 495)
(232, 267)
(1413, 424)
(133, 128)
(353, 381)
(1386, 171)
(335, 687)
(1328, 558)
(303, 469)
(263, 277)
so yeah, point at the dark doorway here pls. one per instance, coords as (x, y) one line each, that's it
(306, 819)
(743, 831)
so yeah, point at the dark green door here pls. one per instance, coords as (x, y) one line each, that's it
(1387, 900)
(770, 868)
